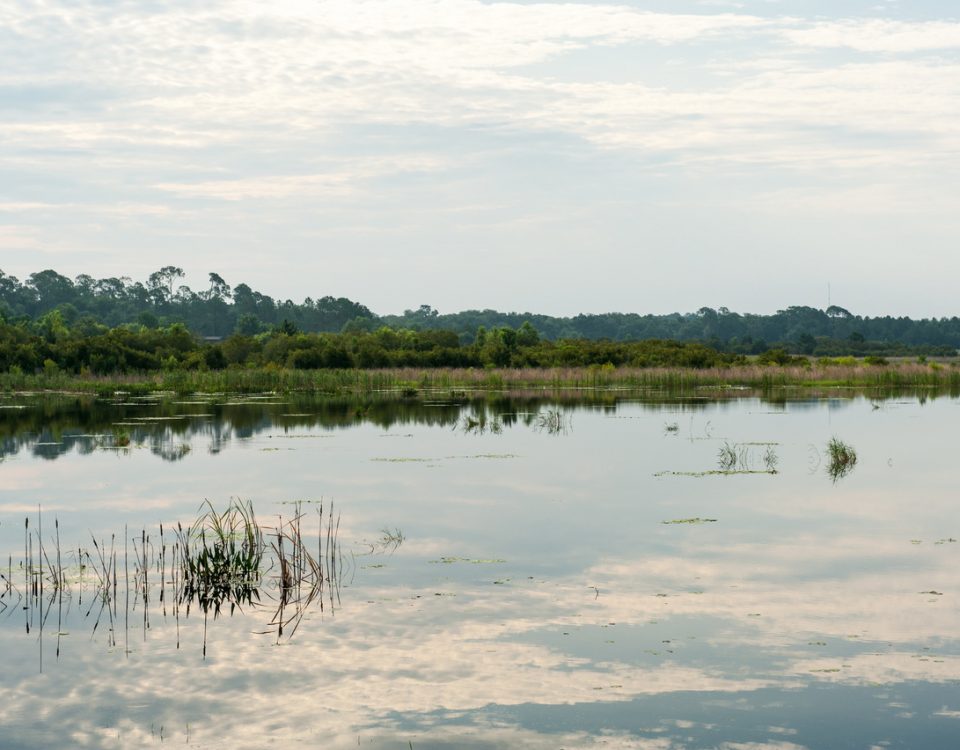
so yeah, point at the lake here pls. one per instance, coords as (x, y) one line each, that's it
(579, 570)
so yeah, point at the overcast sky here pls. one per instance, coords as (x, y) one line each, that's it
(552, 157)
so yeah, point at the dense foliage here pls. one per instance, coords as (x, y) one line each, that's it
(50, 345)
(217, 311)
(801, 330)
(86, 305)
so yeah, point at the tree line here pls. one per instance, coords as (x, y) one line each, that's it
(220, 311)
(798, 329)
(52, 346)
(217, 311)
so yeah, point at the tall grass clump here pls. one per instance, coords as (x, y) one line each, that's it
(220, 555)
(842, 458)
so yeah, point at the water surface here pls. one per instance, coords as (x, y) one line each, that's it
(515, 572)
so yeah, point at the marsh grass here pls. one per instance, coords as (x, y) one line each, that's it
(842, 458)
(435, 381)
(388, 542)
(770, 459)
(729, 456)
(222, 562)
(552, 421)
(479, 424)
(220, 556)
(741, 458)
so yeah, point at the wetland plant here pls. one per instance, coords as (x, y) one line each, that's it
(479, 424)
(739, 458)
(842, 458)
(221, 549)
(223, 561)
(552, 421)
(770, 459)
(389, 541)
(729, 456)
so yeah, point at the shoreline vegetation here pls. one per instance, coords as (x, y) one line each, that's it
(414, 382)
(50, 354)
(48, 301)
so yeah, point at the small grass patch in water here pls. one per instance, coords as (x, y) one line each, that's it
(689, 521)
(403, 460)
(740, 457)
(553, 422)
(842, 458)
(713, 473)
(220, 555)
(736, 458)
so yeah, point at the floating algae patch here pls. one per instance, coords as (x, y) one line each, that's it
(483, 455)
(257, 402)
(160, 419)
(690, 521)
(299, 437)
(434, 461)
(404, 460)
(478, 561)
(714, 473)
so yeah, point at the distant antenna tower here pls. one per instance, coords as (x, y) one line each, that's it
(829, 303)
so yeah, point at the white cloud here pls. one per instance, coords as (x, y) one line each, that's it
(878, 35)
(315, 106)
(14, 237)
(340, 181)
(238, 73)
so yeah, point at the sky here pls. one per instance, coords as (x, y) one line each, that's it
(551, 157)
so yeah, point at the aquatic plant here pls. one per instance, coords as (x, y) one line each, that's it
(221, 547)
(770, 459)
(735, 458)
(388, 542)
(551, 421)
(222, 561)
(479, 423)
(219, 558)
(842, 458)
(728, 456)
(826, 374)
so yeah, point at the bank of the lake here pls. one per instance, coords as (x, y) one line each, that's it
(853, 374)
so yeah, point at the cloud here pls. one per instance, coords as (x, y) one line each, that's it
(339, 181)
(364, 119)
(14, 237)
(878, 35)
(188, 78)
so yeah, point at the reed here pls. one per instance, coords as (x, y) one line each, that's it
(220, 555)
(842, 458)
(408, 380)
(223, 561)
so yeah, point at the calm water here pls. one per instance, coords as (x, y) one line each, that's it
(534, 592)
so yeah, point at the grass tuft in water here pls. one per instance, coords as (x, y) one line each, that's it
(842, 458)
(220, 556)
